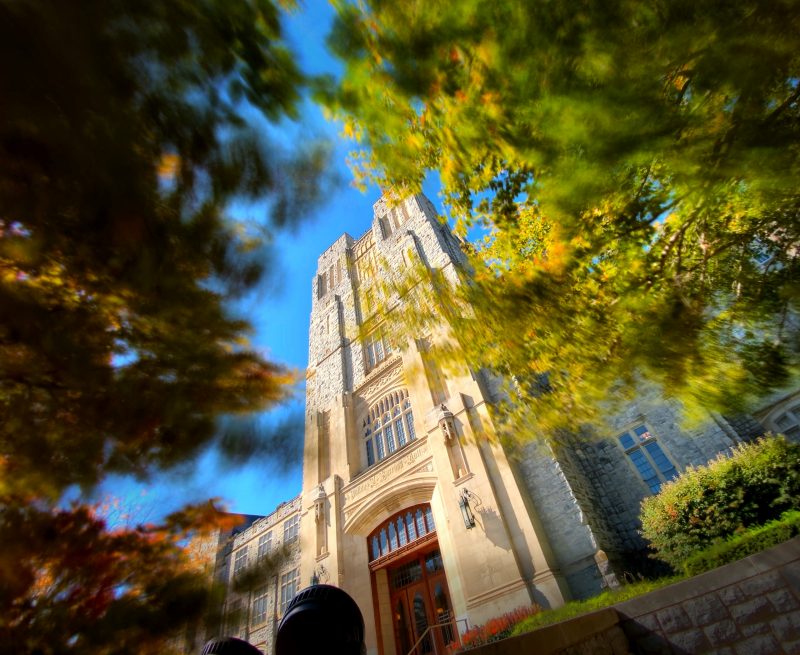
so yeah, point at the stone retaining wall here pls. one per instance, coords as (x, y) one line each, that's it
(745, 608)
(750, 607)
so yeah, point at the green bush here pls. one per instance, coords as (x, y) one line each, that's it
(707, 504)
(741, 545)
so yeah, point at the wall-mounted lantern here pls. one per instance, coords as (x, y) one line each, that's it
(466, 510)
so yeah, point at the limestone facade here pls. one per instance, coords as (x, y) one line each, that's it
(253, 614)
(395, 447)
(440, 444)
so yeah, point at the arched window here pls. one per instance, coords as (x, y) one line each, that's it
(388, 426)
(402, 529)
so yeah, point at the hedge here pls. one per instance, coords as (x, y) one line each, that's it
(757, 483)
(741, 545)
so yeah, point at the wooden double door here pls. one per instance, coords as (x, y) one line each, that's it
(419, 599)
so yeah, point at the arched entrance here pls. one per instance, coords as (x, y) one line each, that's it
(405, 549)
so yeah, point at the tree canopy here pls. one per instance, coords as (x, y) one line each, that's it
(633, 166)
(123, 144)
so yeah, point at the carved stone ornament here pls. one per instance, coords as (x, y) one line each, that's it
(319, 504)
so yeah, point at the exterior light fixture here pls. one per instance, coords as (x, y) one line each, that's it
(466, 510)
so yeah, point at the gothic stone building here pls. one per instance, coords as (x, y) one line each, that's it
(395, 448)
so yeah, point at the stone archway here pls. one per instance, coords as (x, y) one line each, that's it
(413, 608)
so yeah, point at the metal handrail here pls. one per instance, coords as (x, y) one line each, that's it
(428, 629)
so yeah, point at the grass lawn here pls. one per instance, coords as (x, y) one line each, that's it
(577, 607)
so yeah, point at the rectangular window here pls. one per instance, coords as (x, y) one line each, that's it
(370, 453)
(321, 290)
(240, 561)
(651, 462)
(260, 606)
(401, 437)
(387, 431)
(410, 423)
(404, 211)
(264, 544)
(386, 227)
(291, 530)
(377, 349)
(234, 617)
(289, 583)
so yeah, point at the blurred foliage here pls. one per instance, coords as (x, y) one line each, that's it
(69, 584)
(264, 569)
(123, 146)
(756, 484)
(633, 167)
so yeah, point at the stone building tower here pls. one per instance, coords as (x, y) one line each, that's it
(395, 449)
(408, 501)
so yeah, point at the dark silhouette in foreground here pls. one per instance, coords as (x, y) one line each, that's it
(320, 619)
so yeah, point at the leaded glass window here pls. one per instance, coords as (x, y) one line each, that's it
(647, 456)
(376, 349)
(388, 426)
(400, 530)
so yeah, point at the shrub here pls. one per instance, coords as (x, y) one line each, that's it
(707, 504)
(497, 628)
(741, 545)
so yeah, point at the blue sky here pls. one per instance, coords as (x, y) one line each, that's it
(279, 311)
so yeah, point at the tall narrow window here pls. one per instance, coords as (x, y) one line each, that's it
(376, 349)
(647, 456)
(240, 561)
(386, 227)
(321, 290)
(289, 582)
(234, 617)
(264, 544)
(401, 531)
(404, 211)
(388, 426)
(388, 434)
(421, 523)
(412, 528)
(409, 420)
(260, 606)
(291, 529)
